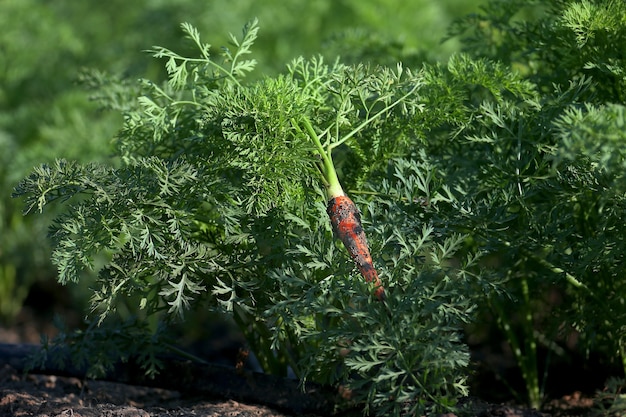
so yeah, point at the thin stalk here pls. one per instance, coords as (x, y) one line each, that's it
(293, 349)
(333, 187)
(370, 120)
(525, 352)
(331, 180)
(505, 325)
(258, 336)
(164, 53)
(185, 354)
(557, 270)
(529, 370)
(623, 354)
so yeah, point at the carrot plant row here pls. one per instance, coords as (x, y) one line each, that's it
(480, 191)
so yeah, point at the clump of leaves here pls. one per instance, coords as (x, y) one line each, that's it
(553, 181)
(479, 186)
(611, 401)
(219, 203)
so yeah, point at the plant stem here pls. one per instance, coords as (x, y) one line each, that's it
(185, 354)
(529, 357)
(259, 337)
(371, 119)
(505, 325)
(333, 187)
(622, 353)
(525, 352)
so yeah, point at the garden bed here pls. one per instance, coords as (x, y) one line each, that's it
(191, 389)
(37, 395)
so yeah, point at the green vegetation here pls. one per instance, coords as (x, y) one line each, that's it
(47, 52)
(496, 176)
(560, 164)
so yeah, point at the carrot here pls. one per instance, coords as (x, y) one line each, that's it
(343, 213)
(346, 221)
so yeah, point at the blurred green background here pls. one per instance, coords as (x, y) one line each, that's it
(47, 113)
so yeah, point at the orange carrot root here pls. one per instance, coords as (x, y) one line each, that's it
(346, 221)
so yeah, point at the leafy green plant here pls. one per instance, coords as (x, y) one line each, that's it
(559, 161)
(479, 187)
(220, 203)
(43, 109)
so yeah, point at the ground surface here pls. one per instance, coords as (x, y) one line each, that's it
(45, 395)
(52, 395)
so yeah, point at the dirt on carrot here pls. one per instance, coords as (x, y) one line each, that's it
(346, 221)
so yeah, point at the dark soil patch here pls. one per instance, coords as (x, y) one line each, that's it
(220, 393)
(49, 395)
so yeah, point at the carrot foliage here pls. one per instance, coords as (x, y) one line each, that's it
(478, 187)
(217, 201)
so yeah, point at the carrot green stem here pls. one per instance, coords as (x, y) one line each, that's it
(333, 187)
(329, 174)
(370, 120)
(186, 354)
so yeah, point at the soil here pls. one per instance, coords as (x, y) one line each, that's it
(38, 394)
